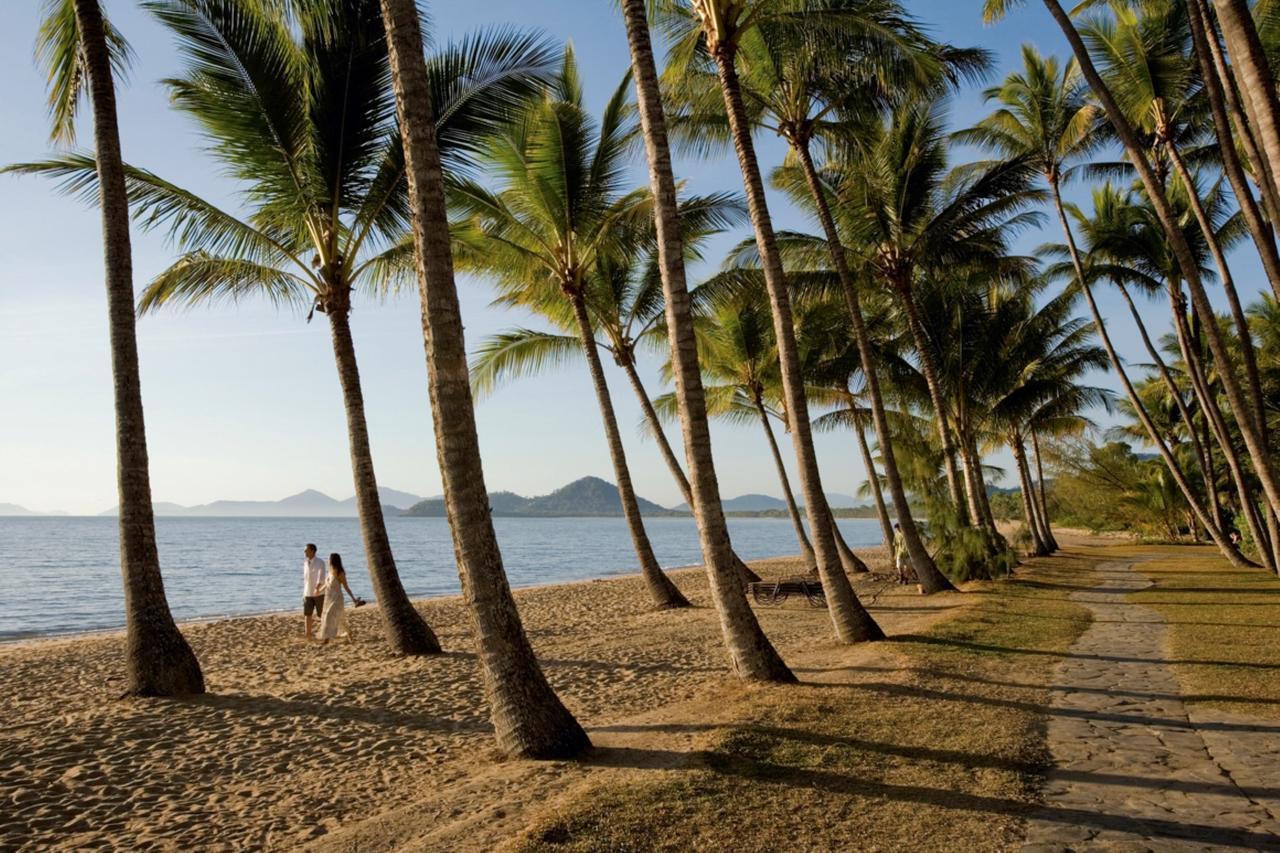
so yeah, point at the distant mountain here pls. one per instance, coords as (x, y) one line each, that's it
(503, 503)
(746, 503)
(764, 503)
(13, 509)
(589, 496)
(390, 498)
(305, 504)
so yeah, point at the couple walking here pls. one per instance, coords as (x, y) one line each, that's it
(322, 595)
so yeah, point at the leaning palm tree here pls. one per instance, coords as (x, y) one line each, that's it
(1139, 52)
(709, 32)
(739, 365)
(803, 84)
(910, 218)
(1126, 244)
(627, 310)
(554, 238)
(1250, 425)
(528, 718)
(751, 653)
(1045, 116)
(1039, 357)
(1254, 76)
(314, 142)
(82, 50)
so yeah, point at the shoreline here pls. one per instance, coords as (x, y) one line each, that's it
(117, 631)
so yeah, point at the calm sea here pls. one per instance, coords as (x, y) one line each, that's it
(62, 575)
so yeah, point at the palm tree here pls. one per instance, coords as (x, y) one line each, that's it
(1125, 244)
(1045, 117)
(1224, 106)
(800, 85)
(1035, 384)
(81, 48)
(554, 238)
(1246, 417)
(1141, 54)
(314, 142)
(626, 308)
(528, 718)
(908, 217)
(712, 30)
(1252, 71)
(750, 652)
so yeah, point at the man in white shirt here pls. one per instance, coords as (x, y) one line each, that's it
(313, 571)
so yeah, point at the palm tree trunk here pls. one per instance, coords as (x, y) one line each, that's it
(924, 350)
(1254, 442)
(931, 580)
(806, 549)
(1209, 408)
(665, 594)
(1200, 449)
(1052, 541)
(1226, 85)
(1224, 545)
(873, 480)
(669, 455)
(1249, 63)
(1229, 288)
(850, 619)
(1273, 534)
(158, 659)
(1263, 236)
(1201, 453)
(1039, 547)
(407, 631)
(528, 718)
(983, 517)
(1210, 475)
(1036, 511)
(971, 469)
(851, 562)
(751, 654)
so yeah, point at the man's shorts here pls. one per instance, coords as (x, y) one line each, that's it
(312, 604)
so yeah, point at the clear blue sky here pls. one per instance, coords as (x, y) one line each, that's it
(243, 402)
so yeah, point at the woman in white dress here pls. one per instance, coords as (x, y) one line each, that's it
(334, 620)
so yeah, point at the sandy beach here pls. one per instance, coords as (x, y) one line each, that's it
(347, 747)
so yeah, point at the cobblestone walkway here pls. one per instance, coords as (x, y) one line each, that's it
(1136, 771)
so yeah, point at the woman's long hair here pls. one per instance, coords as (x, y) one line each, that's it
(335, 560)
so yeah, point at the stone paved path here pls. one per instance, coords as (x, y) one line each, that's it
(1134, 769)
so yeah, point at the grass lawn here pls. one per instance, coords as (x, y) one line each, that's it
(936, 743)
(1224, 627)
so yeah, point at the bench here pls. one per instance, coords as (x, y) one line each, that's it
(776, 592)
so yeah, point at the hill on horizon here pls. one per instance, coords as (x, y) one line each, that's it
(587, 496)
(308, 503)
(763, 503)
(8, 510)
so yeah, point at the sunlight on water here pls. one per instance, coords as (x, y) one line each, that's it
(62, 574)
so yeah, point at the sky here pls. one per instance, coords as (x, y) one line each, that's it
(243, 402)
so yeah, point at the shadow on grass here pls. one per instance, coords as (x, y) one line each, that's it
(940, 675)
(848, 784)
(1007, 650)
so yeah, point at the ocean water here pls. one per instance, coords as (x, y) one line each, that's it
(61, 575)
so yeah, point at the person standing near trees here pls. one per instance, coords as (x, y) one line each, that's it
(901, 560)
(313, 571)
